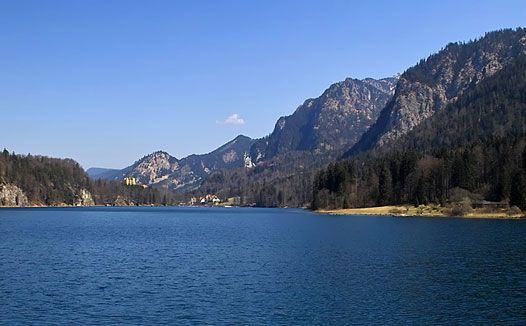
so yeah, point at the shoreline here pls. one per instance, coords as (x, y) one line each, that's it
(421, 211)
(393, 211)
(88, 206)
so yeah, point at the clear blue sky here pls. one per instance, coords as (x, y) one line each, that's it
(106, 82)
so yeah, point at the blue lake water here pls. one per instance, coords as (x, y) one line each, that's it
(257, 266)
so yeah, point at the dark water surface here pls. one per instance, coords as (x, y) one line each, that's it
(270, 266)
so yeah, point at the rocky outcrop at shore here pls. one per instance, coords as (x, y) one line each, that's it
(12, 196)
(84, 198)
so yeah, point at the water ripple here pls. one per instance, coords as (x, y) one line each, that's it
(257, 266)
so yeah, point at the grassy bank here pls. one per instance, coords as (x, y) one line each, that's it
(423, 210)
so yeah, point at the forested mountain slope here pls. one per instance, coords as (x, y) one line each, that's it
(476, 144)
(437, 81)
(493, 108)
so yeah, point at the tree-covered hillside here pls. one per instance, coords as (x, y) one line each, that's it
(44, 180)
(39, 180)
(428, 87)
(285, 180)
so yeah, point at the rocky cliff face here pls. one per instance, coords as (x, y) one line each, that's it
(495, 108)
(12, 196)
(429, 86)
(229, 155)
(152, 168)
(84, 198)
(41, 180)
(329, 123)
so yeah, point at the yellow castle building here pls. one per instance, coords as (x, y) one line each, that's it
(130, 181)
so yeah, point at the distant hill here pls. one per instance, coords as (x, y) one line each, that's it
(101, 173)
(160, 169)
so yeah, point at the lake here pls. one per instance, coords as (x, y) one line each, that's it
(257, 266)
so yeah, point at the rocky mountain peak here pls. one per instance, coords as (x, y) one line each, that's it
(438, 80)
(159, 155)
(160, 169)
(153, 167)
(329, 123)
(386, 85)
(236, 141)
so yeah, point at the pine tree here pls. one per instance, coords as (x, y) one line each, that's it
(385, 185)
(518, 191)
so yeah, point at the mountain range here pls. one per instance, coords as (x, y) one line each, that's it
(349, 118)
(160, 169)
(324, 126)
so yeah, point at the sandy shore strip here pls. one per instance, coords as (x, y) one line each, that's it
(425, 211)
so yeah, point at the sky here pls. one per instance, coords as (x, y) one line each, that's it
(107, 82)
